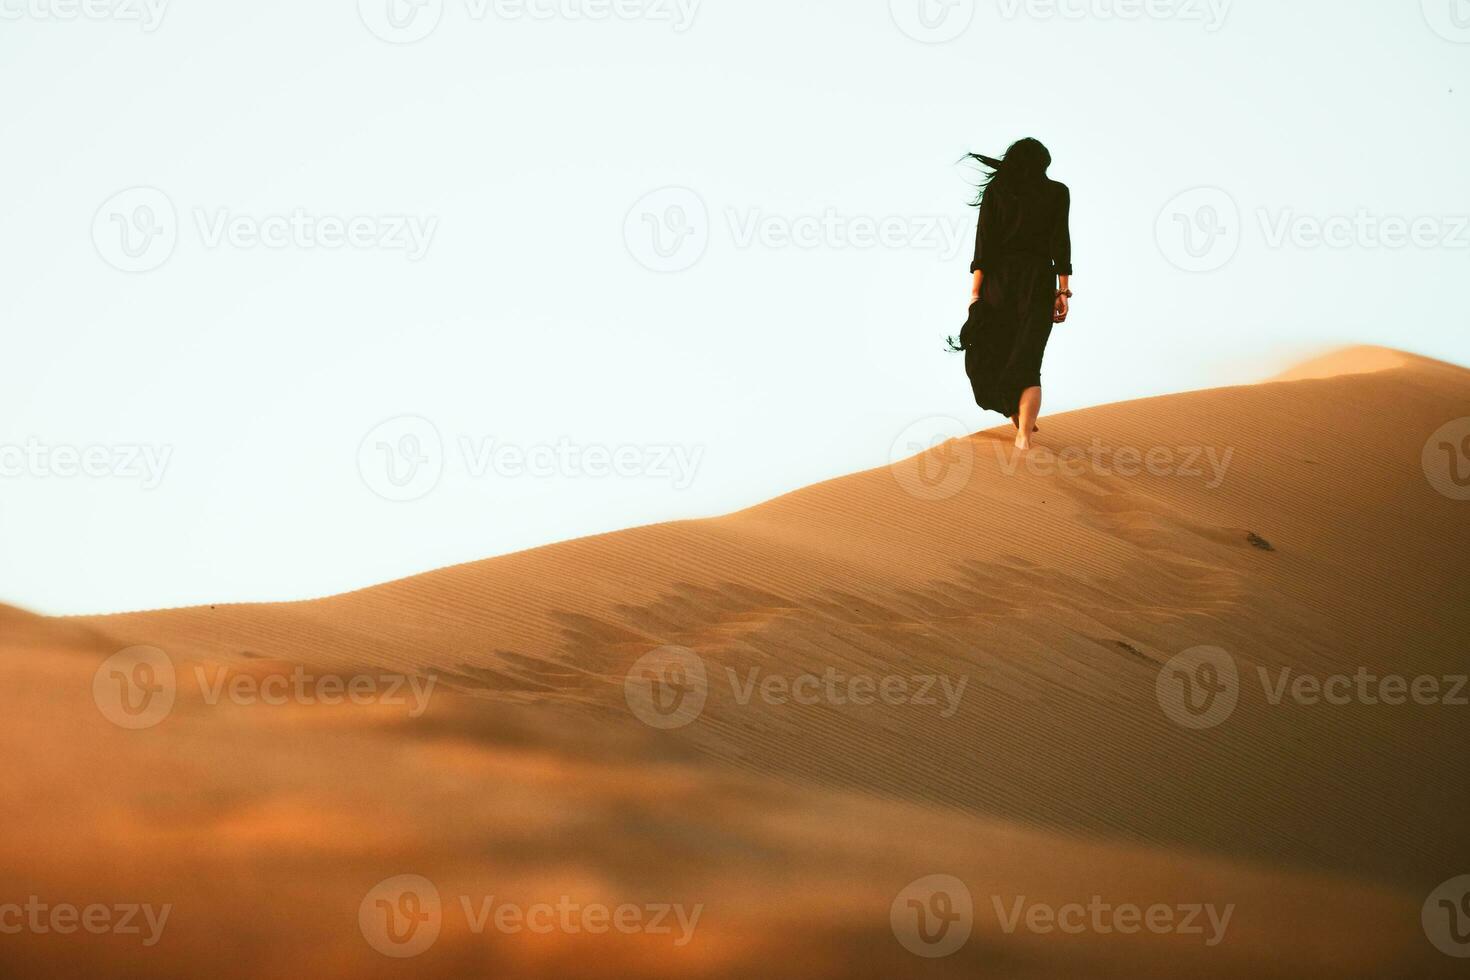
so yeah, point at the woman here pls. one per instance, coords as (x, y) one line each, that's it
(1022, 269)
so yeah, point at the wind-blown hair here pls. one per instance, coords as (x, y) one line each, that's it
(1026, 162)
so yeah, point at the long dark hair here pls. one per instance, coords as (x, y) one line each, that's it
(1026, 162)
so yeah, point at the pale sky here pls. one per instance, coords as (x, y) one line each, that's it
(301, 297)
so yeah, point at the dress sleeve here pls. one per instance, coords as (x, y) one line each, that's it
(982, 236)
(1061, 237)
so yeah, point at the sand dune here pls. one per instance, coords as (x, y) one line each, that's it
(1015, 626)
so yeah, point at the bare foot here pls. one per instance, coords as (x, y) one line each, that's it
(1023, 441)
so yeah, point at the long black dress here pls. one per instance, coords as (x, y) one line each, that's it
(1022, 244)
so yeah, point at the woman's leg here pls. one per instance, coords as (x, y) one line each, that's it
(1030, 409)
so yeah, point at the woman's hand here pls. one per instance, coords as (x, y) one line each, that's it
(1064, 295)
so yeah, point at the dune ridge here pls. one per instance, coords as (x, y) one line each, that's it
(1293, 528)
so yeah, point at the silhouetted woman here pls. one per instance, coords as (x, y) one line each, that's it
(1022, 267)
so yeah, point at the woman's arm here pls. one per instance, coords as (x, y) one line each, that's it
(1061, 251)
(1061, 234)
(982, 243)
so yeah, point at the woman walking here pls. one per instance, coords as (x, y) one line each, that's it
(1022, 268)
